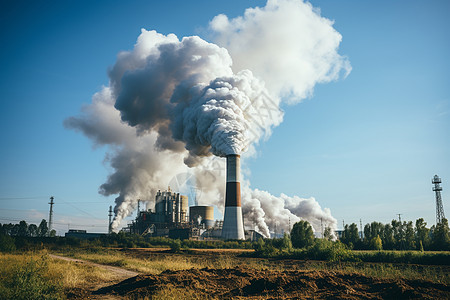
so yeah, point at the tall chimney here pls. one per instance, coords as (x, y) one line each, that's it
(233, 227)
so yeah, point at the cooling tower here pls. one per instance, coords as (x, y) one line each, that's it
(233, 227)
(204, 214)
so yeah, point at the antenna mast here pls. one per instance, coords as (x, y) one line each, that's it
(439, 206)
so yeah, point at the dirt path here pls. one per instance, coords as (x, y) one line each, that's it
(120, 274)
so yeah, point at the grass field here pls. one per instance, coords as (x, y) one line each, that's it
(34, 275)
(156, 262)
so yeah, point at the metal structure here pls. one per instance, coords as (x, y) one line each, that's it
(439, 206)
(110, 221)
(50, 216)
(233, 224)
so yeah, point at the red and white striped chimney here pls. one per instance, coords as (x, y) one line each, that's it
(233, 226)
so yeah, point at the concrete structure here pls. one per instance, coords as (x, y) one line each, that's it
(202, 215)
(233, 225)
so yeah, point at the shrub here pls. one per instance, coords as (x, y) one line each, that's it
(7, 243)
(175, 246)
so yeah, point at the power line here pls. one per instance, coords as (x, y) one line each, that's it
(21, 198)
(57, 223)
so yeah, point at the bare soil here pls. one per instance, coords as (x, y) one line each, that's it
(268, 284)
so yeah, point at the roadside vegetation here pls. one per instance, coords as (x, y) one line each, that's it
(35, 275)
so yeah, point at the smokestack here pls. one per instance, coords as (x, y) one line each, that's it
(233, 227)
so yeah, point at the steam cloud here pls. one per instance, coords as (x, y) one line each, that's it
(173, 106)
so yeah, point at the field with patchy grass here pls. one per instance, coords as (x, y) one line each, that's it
(215, 274)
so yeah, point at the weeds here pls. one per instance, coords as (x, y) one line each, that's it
(26, 277)
(34, 275)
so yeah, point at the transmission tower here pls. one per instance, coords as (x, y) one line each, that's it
(439, 207)
(50, 216)
(110, 222)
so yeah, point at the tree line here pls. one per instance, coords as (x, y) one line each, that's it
(22, 229)
(398, 236)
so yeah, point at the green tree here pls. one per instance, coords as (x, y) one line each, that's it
(388, 237)
(399, 235)
(43, 228)
(32, 230)
(371, 231)
(376, 243)
(327, 234)
(23, 229)
(302, 234)
(350, 236)
(422, 234)
(441, 236)
(286, 243)
(409, 235)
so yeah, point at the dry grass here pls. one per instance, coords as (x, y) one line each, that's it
(159, 263)
(35, 273)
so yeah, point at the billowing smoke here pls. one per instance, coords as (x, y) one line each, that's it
(173, 105)
(268, 211)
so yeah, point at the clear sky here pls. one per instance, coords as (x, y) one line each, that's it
(365, 146)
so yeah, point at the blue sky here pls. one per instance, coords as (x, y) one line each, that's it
(365, 146)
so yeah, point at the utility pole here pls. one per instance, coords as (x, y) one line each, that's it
(321, 225)
(343, 226)
(110, 222)
(50, 217)
(439, 206)
(360, 229)
(400, 218)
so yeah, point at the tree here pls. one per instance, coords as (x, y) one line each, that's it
(23, 229)
(441, 236)
(399, 235)
(371, 231)
(32, 230)
(350, 236)
(409, 235)
(388, 237)
(43, 228)
(376, 243)
(422, 234)
(286, 243)
(327, 234)
(302, 234)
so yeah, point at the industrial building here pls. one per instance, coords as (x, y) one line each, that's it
(170, 218)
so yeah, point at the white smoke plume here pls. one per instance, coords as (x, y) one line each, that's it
(286, 43)
(172, 104)
(268, 211)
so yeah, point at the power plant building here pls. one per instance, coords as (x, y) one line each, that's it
(170, 218)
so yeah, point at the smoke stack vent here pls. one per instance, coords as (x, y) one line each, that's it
(233, 227)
